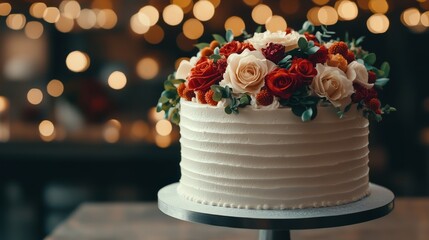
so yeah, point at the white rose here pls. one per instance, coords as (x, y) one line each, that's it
(333, 84)
(262, 40)
(245, 72)
(357, 72)
(185, 67)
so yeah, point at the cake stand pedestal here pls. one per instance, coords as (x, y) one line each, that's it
(276, 224)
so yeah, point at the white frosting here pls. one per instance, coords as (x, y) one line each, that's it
(269, 159)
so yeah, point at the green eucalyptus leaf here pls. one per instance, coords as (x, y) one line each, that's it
(285, 59)
(171, 77)
(319, 37)
(298, 110)
(227, 92)
(307, 26)
(217, 96)
(219, 39)
(306, 115)
(302, 43)
(163, 99)
(370, 58)
(228, 110)
(359, 40)
(201, 45)
(259, 29)
(166, 106)
(229, 36)
(381, 82)
(168, 85)
(314, 107)
(170, 94)
(312, 50)
(347, 108)
(215, 57)
(216, 51)
(385, 67)
(177, 81)
(159, 107)
(245, 100)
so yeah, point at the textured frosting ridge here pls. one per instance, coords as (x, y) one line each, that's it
(269, 159)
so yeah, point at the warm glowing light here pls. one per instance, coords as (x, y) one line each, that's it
(71, 9)
(16, 21)
(163, 127)
(411, 17)
(107, 19)
(152, 13)
(203, 10)
(172, 15)
(117, 80)
(185, 43)
(312, 16)
(155, 116)
(214, 2)
(33, 30)
(235, 24)
(55, 88)
(327, 15)
(51, 14)
(37, 9)
(77, 61)
(154, 35)
(46, 128)
(4, 104)
(320, 2)
(64, 24)
(139, 23)
(139, 130)
(5, 9)
(147, 68)
(111, 132)
(261, 13)
(425, 19)
(347, 10)
(34, 96)
(276, 23)
(378, 6)
(363, 4)
(193, 29)
(378, 23)
(289, 6)
(162, 141)
(87, 19)
(182, 3)
(251, 2)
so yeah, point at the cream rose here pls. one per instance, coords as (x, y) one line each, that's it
(246, 71)
(357, 72)
(185, 67)
(333, 84)
(261, 40)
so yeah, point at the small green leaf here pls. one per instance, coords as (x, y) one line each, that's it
(340, 114)
(381, 82)
(347, 108)
(158, 107)
(168, 85)
(219, 39)
(359, 40)
(312, 50)
(319, 36)
(215, 57)
(227, 92)
(306, 115)
(170, 94)
(229, 36)
(216, 50)
(370, 58)
(217, 96)
(245, 100)
(298, 110)
(201, 45)
(285, 59)
(177, 81)
(228, 110)
(258, 29)
(302, 43)
(163, 99)
(385, 67)
(307, 26)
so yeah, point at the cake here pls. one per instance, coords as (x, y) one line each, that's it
(277, 120)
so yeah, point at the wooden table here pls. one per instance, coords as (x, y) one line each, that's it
(132, 221)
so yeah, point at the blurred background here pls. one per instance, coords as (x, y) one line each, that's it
(79, 81)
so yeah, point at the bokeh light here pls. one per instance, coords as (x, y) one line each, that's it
(378, 23)
(107, 18)
(154, 35)
(411, 17)
(55, 88)
(155, 116)
(347, 10)
(162, 141)
(235, 24)
(203, 10)
(327, 15)
(4, 104)
(46, 128)
(215, 3)
(261, 13)
(140, 23)
(51, 14)
(117, 80)
(425, 19)
(16, 21)
(151, 12)
(276, 23)
(147, 68)
(251, 2)
(378, 6)
(37, 9)
(87, 19)
(320, 2)
(34, 96)
(71, 9)
(139, 130)
(313, 16)
(77, 61)
(193, 29)
(33, 30)
(172, 15)
(64, 24)
(112, 131)
(163, 127)
(5, 9)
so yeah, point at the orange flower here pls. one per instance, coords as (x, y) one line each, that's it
(338, 61)
(209, 98)
(339, 47)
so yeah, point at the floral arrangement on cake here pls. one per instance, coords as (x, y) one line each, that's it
(296, 69)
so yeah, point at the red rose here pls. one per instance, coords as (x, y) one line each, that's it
(362, 93)
(234, 47)
(304, 69)
(372, 77)
(274, 52)
(204, 74)
(282, 83)
(321, 56)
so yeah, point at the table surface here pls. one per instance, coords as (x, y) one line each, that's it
(132, 221)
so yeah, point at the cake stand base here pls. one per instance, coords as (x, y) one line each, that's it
(276, 224)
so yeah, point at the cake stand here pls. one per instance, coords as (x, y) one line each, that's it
(276, 224)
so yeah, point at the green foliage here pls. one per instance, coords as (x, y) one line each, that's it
(221, 40)
(169, 99)
(201, 45)
(307, 47)
(229, 36)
